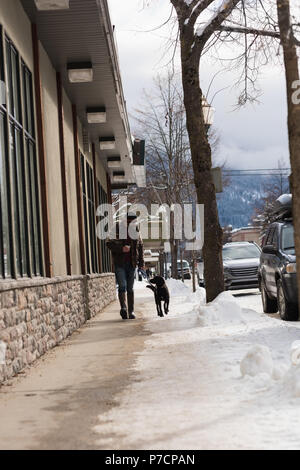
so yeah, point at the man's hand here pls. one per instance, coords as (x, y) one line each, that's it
(126, 249)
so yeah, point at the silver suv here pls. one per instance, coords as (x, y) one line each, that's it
(241, 263)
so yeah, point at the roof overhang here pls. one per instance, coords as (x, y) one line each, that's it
(83, 33)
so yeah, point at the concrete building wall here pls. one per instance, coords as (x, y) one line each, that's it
(246, 236)
(71, 185)
(52, 149)
(101, 174)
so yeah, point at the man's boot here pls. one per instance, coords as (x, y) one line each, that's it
(130, 299)
(122, 300)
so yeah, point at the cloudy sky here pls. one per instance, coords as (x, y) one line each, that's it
(252, 137)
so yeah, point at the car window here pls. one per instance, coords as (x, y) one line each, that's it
(241, 252)
(287, 239)
(274, 238)
(269, 239)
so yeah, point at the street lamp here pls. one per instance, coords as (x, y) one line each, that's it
(208, 113)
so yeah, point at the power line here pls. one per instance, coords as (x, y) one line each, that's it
(260, 169)
(259, 172)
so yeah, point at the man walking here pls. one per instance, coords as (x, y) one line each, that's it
(128, 254)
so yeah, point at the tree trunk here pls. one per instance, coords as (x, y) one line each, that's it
(202, 164)
(292, 75)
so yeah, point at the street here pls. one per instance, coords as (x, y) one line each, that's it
(156, 383)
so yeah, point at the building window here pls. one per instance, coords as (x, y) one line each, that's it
(105, 253)
(87, 179)
(20, 228)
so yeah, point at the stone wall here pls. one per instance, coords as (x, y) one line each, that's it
(101, 291)
(37, 314)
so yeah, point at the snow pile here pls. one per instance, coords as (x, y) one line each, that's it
(223, 310)
(2, 353)
(291, 382)
(258, 367)
(258, 360)
(198, 297)
(279, 371)
(295, 353)
(177, 287)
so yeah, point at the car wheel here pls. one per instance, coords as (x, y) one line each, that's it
(269, 305)
(287, 310)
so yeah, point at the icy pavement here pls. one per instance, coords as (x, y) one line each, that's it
(209, 377)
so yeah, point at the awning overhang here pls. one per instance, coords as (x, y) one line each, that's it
(83, 33)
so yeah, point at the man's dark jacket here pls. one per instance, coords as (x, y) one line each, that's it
(136, 252)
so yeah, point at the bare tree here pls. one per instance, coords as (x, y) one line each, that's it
(275, 185)
(162, 122)
(230, 19)
(289, 44)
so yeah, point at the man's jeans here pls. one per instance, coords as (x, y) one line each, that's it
(125, 277)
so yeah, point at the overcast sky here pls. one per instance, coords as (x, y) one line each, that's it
(253, 137)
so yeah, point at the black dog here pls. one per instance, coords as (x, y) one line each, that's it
(161, 294)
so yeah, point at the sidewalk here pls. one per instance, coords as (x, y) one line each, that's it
(55, 404)
(163, 383)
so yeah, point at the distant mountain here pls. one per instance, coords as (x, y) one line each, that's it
(237, 203)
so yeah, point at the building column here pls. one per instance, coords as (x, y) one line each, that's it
(63, 171)
(96, 202)
(41, 153)
(109, 196)
(78, 191)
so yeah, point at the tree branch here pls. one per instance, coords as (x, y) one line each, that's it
(198, 8)
(215, 22)
(254, 31)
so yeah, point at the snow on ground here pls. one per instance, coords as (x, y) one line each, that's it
(217, 376)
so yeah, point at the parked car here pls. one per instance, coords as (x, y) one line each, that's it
(200, 271)
(277, 272)
(241, 263)
(186, 269)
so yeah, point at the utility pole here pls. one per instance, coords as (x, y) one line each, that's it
(194, 272)
(181, 262)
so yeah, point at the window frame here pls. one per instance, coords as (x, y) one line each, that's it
(89, 215)
(105, 253)
(25, 244)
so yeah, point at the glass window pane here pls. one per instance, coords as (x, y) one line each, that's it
(28, 101)
(5, 253)
(85, 214)
(15, 198)
(30, 195)
(35, 209)
(13, 81)
(2, 82)
(9, 77)
(21, 202)
(16, 84)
